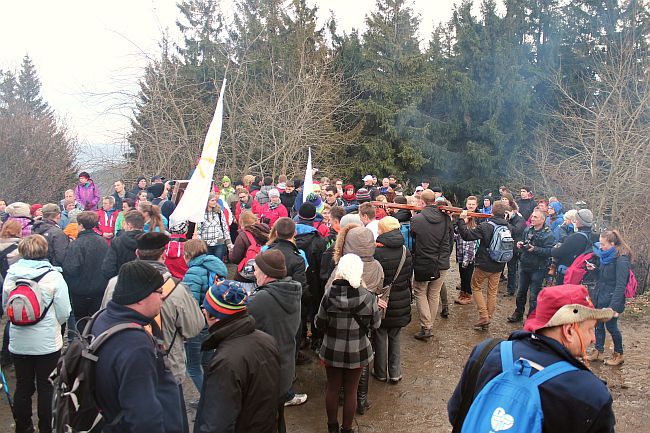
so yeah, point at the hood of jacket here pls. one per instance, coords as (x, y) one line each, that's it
(286, 292)
(237, 325)
(303, 229)
(210, 263)
(433, 215)
(129, 239)
(41, 226)
(391, 239)
(27, 268)
(360, 241)
(345, 297)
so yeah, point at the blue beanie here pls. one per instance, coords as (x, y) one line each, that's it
(225, 298)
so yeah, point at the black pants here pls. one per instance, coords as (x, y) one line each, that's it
(466, 278)
(32, 373)
(5, 355)
(513, 266)
(82, 307)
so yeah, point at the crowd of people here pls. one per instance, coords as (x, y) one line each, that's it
(335, 271)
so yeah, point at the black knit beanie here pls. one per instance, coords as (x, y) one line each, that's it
(136, 281)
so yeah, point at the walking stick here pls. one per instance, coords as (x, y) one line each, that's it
(5, 387)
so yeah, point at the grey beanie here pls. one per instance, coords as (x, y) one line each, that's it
(585, 217)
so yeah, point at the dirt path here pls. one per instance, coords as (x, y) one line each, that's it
(431, 370)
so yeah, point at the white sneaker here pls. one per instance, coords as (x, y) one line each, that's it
(297, 400)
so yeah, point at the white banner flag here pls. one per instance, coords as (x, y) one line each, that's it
(192, 204)
(308, 186)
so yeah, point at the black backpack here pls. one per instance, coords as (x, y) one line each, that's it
(74, 407)
(4, 259)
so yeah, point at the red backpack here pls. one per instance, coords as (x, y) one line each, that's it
(25, 304)
(578, 269)
(251, 252)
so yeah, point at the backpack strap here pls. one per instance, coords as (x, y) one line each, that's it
(36, 280)
(469, 387)
(551, 371)
(507, 361)
(101, 338)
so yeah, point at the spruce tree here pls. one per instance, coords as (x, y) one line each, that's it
(29, 91)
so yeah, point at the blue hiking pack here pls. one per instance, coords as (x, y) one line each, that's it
(405, 228)
(502, 246)
(510, 402)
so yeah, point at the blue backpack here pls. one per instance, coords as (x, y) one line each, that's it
(510, 402)
(405, 228)
(502, 246)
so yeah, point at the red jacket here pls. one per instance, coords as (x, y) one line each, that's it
(106, 223)
(272, 214)
(174, 259)
(256, 208)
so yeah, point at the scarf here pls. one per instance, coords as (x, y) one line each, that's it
(274, 205)
(606, 257)
(349, 197)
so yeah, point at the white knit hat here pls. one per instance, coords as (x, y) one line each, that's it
(350, 268)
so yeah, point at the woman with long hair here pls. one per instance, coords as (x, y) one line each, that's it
(9, 237)
(347, 312)
(154, 221)
(214, 229)
(465, 255)
(249, 228)
(613, 275)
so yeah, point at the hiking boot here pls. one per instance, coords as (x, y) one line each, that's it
(515, 318)
(423, 334)
(596, 356)
(297, 400)
(464, 299)
(333, 428)
(302, 359)
(362, 391)
(482, 325)
(445, 312)
(395, 380)
(616, 359)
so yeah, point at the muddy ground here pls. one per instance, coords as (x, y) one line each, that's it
(431, 370)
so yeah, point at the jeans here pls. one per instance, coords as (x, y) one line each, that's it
(218, 250)
(387, 352)
(485, 308)
(427, 298)
(32, 375)
(466, 278)
(197, 361)
(513, 265)
(617, 337)
(533, 280)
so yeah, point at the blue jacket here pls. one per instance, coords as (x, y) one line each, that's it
(44, 337)
(575, 402)
(132, 379)
(610, 287)
(197, 278)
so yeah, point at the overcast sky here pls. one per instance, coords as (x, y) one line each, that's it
(89, 54)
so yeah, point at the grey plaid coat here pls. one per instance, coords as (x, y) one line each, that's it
(346, 315)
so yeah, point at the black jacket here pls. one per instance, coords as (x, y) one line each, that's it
(389, 253)
(118, 199)
(610, 287)
(543, 241)
(574, 245)
(483, 232)
(57, 241)
(122, 250)
(132, 379)
(432, 238)
(575, 402)
(276, 310)
(517, 226)
(84, 257)
(241, 387)
(526, 207)
(294, 262)
(288, 199)
(403, 215)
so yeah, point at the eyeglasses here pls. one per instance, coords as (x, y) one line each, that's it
(159, 291)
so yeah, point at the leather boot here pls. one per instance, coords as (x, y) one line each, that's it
(596, 356)
(362, 392)
(333, 428)
(348, 430)
(616, 359)
(423, 334)
(482, 325)
(515, 318)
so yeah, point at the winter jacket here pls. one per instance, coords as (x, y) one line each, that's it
(131, 379)
(57, 240)
(610, 287)
(294, 261)
(85, 256)
(526, 207)
(484, 233)
(389, 253)
(403, 215)
(214, 229)
(252, 206)
(72, 231)
(175, 259)
(431, 231)
(119, 200)
(576, 401)
(88, 195)
(14, 255)
(43, 337)
(262, 197)
(345, 316)
(241, 386)
(107, 221)
(198, 276)
(270, 216)
(554, 224)
(181, 319)
(121, 250)
(574, 245)
(359, 241)
(260, 232)
(288, 199)
(26, 224)
(543, 241)
(517, 225)
(276, 310)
